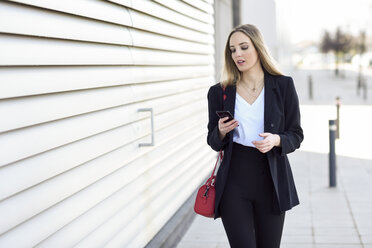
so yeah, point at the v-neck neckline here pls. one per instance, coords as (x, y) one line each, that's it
(257, 99)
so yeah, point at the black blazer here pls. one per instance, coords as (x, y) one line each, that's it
(282, 117)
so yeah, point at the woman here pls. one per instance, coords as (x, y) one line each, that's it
(254, 184)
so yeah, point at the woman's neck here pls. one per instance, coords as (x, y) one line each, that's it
(253, 77)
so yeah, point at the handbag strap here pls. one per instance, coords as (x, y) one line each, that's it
(211, 179)
(220, 157)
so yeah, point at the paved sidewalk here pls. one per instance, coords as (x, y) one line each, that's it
(338, 217)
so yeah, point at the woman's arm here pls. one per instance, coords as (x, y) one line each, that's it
(215, 103)
(292, 136)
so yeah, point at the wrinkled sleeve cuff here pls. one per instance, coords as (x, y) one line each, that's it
(280, 150)
(218, 143)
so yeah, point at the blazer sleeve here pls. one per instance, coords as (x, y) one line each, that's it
(215, 103)
(293, 135)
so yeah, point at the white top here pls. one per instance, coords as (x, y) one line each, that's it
(250, 118)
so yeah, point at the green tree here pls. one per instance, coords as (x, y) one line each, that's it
(326, 43)
(361, 46)
(339, 44)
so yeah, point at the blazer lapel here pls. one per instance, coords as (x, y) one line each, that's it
(230, 98)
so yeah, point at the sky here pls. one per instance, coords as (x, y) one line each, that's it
(309, 18)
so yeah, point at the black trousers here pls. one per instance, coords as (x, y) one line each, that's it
(249, 208)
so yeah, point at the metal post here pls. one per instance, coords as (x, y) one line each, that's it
(310, 85)
(236, 12)
(365, 89)
(338, 103)
(332, 153)
(359, 83)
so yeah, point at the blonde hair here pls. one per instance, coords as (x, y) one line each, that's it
(231, 74)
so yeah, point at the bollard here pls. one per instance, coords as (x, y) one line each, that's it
(365, 89)
(338, 104)
(332, 153)
(359, 83)
(310, 86)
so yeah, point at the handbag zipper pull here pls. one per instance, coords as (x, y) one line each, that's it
(206, 192)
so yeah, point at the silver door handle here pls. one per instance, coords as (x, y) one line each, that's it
(152, 127)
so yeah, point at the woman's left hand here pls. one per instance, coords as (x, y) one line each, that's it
(270, 140)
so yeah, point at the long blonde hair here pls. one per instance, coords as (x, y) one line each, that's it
(231, 74)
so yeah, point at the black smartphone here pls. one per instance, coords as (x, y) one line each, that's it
(223, 114)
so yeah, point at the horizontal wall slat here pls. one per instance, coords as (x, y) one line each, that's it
(21, 19)
(43, 196)
(186, 9)
(25, 112)
(33, 51)
(22, 50)
(16, 176)
(127, 3)
(99, 10)
(153, 9)
(24, 81)
(208, 8)
(153, 57)
(156, 25)
(149, 40)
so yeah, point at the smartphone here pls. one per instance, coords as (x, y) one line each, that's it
(223, 114)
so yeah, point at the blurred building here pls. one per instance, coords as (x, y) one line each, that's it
(271, 17)
(78, 82)
(262, 14)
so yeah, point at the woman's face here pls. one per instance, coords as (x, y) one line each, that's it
(243, 52)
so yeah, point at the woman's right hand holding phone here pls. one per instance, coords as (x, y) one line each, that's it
(225, 127)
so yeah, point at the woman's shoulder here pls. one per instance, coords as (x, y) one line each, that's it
(283, 81)
(282, 78)
(216, 88)
(215, 92)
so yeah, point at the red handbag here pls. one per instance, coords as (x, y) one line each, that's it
(204, 203)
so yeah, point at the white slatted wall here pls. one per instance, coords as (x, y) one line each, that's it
(73, 75)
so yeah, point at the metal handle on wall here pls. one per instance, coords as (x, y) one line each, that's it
(152, 127)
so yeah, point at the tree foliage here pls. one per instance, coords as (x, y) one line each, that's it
(341, 43)
(361, 46)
